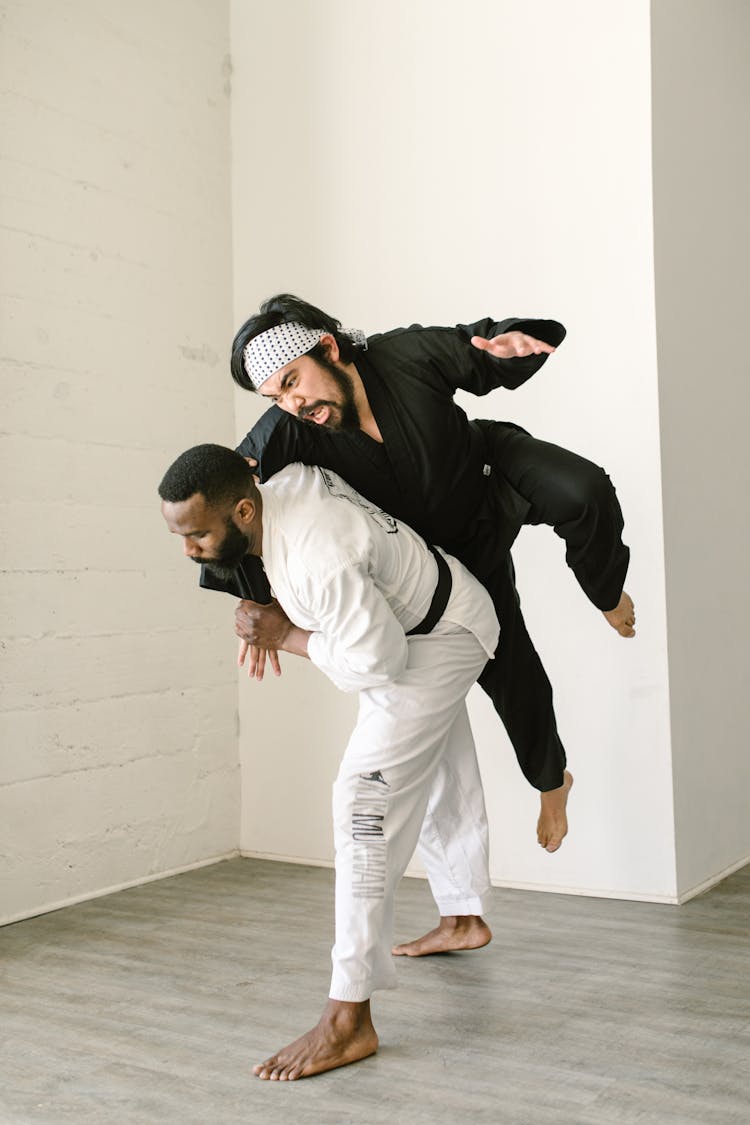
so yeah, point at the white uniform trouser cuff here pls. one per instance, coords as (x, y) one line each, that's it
(448, 907)
(357, 991)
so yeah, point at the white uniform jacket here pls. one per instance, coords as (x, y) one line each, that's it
(356, 577)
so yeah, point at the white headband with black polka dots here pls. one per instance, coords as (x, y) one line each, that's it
(276, 347)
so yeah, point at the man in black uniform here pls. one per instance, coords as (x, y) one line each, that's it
(381, 413)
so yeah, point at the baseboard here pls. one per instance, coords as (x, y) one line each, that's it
(302, 861)
(590, 892)
(706, 885)
(305, 861)
(89, 895)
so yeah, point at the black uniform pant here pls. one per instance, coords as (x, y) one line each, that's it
(577, 499)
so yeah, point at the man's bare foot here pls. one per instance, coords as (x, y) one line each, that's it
(344, 1034)
(552, 826)
(465, 931)
(622, 617)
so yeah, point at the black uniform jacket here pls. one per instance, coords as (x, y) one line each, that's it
(431, 470)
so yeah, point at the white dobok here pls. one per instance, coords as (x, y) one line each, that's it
(360, 580)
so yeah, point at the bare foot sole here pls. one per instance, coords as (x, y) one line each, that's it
(552, 826)
(622, 617)
(452, 935)
(327, 1046)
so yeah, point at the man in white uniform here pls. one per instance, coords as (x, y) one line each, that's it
(380, 613)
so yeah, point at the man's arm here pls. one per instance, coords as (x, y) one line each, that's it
(249, 581)
(275, 441)
(504, 353)
(358, 642)
(482, 356)
(268, 627)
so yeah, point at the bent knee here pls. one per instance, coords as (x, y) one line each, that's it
(587, 487)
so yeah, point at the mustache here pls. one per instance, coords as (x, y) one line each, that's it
(305, 411)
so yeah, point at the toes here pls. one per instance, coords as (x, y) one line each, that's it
(292, 1071)
(267, 1070)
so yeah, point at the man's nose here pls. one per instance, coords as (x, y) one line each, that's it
(192, 550)
(291, 401)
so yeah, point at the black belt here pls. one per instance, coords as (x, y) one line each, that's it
(439, 598)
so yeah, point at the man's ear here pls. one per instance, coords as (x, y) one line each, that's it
(331, 347)
(244, 511)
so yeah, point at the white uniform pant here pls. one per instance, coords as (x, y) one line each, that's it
(409, 775)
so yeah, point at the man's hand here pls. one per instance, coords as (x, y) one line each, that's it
(264, 626)
(251, 619)
(263, 631)
(510, 345)
(256, 660)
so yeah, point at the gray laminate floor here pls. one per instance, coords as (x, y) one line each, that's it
(151, 1005)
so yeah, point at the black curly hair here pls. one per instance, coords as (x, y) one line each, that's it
(218, 473)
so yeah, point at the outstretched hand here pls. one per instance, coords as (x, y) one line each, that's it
(511, 345)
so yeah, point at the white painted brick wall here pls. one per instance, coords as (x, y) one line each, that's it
(118, 728)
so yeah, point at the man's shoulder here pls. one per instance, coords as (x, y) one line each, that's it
(418, 355)
(262, 429)
(355, 507)
(415, 336)
(291, 482)
(317, 514)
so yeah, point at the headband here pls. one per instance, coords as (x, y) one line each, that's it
(276, 347)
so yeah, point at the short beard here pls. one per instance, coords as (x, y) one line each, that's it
(230, 552)
(347, 409)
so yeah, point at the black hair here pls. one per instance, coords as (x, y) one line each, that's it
(218, 473)
(285, 309)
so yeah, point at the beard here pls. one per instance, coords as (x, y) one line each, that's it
(343, 414)
(229, 554)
